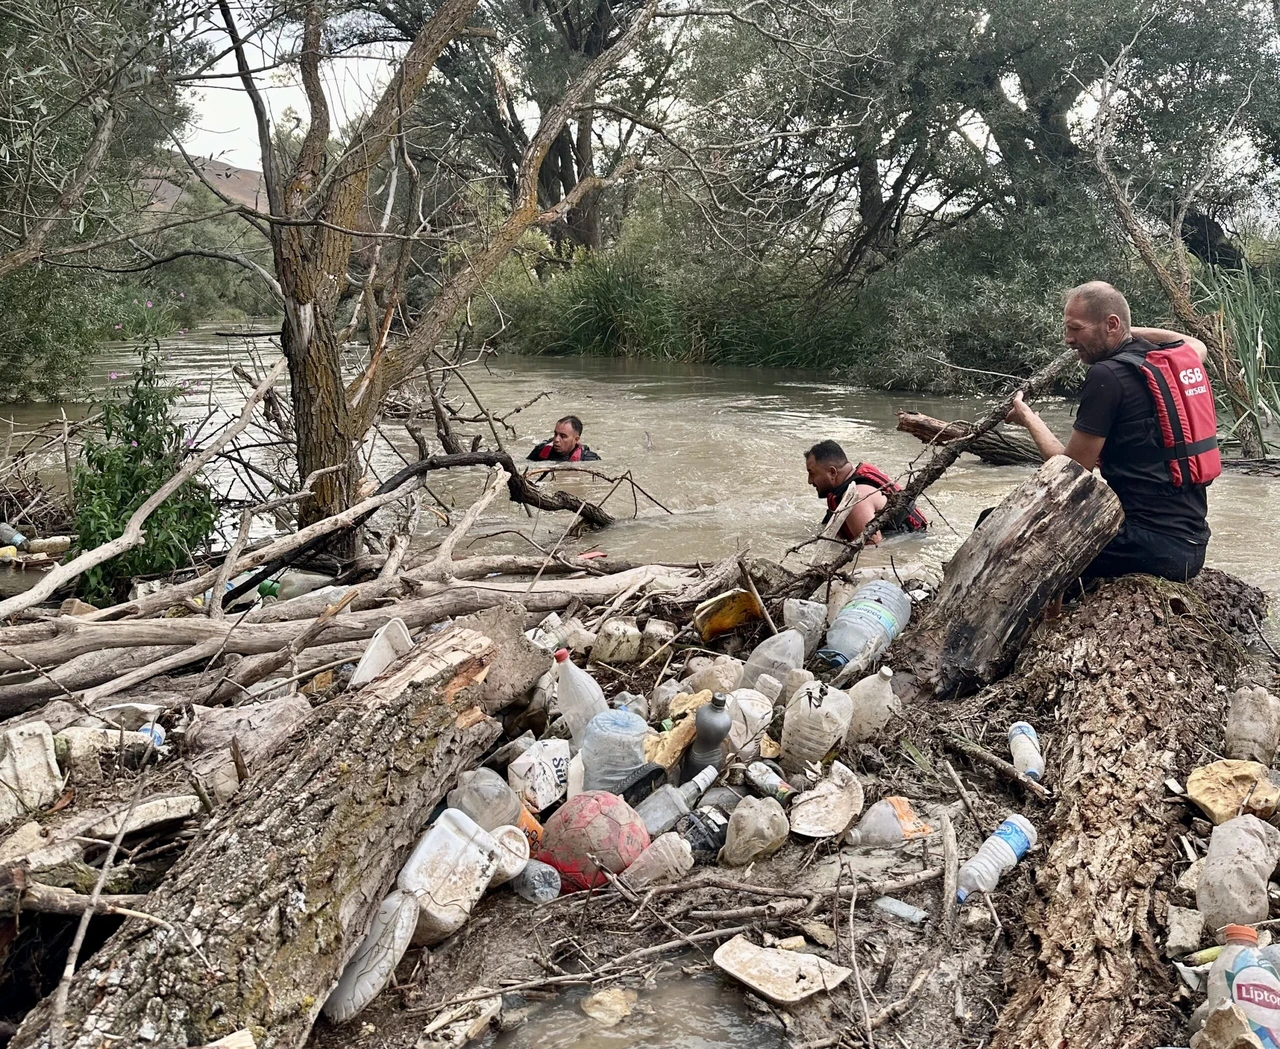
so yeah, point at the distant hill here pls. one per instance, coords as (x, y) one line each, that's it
(164, 188)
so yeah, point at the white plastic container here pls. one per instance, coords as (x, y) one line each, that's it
(1242, 856)
(667, 858)
(874, 706)
(513, 854)
(370, 968)
(750, 713)
(757, 827)
(774, 656)
(448, 871)
(578, 697)
(612, 750)
(618, 641)
(1024, 747)
(890, 821)
(816, 720)
(1253, 725)
(998, 855)
(389, 642)
(541, 774)
(867, 625)
(808, 617)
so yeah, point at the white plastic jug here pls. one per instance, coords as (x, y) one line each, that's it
(448, 871)
(578, 697)
(874, 704)
(541, 774)
(816, 720)
(513, 854)
(750, 713)
(370, 968)
(612, 750)
(774, 656)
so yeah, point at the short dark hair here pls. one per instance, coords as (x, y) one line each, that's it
(573, 421)
(828, 453)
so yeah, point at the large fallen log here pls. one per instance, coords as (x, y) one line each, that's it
(1129, 677)
(998, 447)
(267, 905)
(1021, 557)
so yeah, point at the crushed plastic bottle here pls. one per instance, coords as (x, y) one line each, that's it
(578, 697)
(998, 855)
(890, 821)
(705, 829)
(874, 705)
(1024, 747)
(1253, 725)
(489, 800)
(774, 656)
(816, 720)
(769, 784)
(750, 713)
(808, 617)
(1244, 976)
(757, 828)
(667, 858)
(711, 727)
(612, 750)
(1242, 855)
(867, 625)
(538, 883)
(661, 809)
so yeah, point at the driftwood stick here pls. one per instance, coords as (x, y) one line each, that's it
(133, 534)
(966, 797)
(998, 447)
(1001, 767)
(751, 588)
(950, 874)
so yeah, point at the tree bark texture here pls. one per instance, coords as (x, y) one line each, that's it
(1129, 676)
(998, 447)
(1044, 533)
(280, 888)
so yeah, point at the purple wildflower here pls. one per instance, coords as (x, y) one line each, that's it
(189, 442)
(119, 326)
(148, 304)
(114, 375)
(133, 444)
(182, 294)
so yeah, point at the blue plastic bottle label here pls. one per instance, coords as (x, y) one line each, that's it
(878, 612)
(1011, 834)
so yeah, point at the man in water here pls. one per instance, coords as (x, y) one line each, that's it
(565, 445)
(833, 476)
(1165, 531)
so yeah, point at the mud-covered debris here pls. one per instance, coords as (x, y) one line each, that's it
(782, 977)
(610, 1006)
(1226, 789)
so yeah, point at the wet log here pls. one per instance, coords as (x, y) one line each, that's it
(1044, 533)
(277, 892)
(997, 447)
(1127, 682)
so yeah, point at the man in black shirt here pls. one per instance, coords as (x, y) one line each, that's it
(1165, 530)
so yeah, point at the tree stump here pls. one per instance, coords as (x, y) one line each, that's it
(1024, 554)
(1130, 677)
(268, 904)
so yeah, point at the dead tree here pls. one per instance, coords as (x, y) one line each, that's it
(998, 447)
(1018, 560)
(264, 909)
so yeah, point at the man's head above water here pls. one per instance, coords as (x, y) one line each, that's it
(1095, 320)
(567, 434)
(828, 467)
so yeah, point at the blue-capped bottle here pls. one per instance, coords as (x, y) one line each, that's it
(1024, 747)
(998, 855)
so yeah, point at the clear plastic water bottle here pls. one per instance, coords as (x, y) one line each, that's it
(874, 704)
(816, 720)
(774, 656)
(667, 858)
(711, 727)
(1245, 977)
(578, 697)
(867, 625)
(661, 809)
(1024, 746)
(538, 883)
(890, 821)
(998, 855)
(488, 799)
(612, 750)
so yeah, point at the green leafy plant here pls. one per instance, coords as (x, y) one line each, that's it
(141, 447)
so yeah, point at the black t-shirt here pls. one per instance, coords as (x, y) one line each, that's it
(1114, 395)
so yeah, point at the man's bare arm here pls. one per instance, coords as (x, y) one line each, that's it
(1084, 448)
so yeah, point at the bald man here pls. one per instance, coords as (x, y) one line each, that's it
(1166, 531)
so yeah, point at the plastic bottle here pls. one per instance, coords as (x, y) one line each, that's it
(874, 704)
(371, 966)
(750, 713)
(1253, 725)
(667, 858)
(774, 656)
(1024, 746)
(867, 625)
(487, 798)
(705, 829)
(612, 750)
(1233, 881)
(661, 809)
(808, 617)
(711, 727)
(816, 720)
(1244, 976)
(997, 855)
(890, 821)
(578, 697)
(757, 827)
(448, 871)
(769, 784)
(538, 883)
(10, 536)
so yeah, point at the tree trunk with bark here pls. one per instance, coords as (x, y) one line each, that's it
(1019, 559)
(266, 907)
(998, 447)
(1131, 677)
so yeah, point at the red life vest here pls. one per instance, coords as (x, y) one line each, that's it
(1183, 400)
(874, 477)
(543, 451)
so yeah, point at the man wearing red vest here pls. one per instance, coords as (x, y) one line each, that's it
(832, 475)
(1146, 416)
(565, 445)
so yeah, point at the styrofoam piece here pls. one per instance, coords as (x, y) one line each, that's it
(389, 643)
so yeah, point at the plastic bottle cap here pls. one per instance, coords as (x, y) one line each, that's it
(562, 654)
(886, 672)
(269, 588)
(1241, 934)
